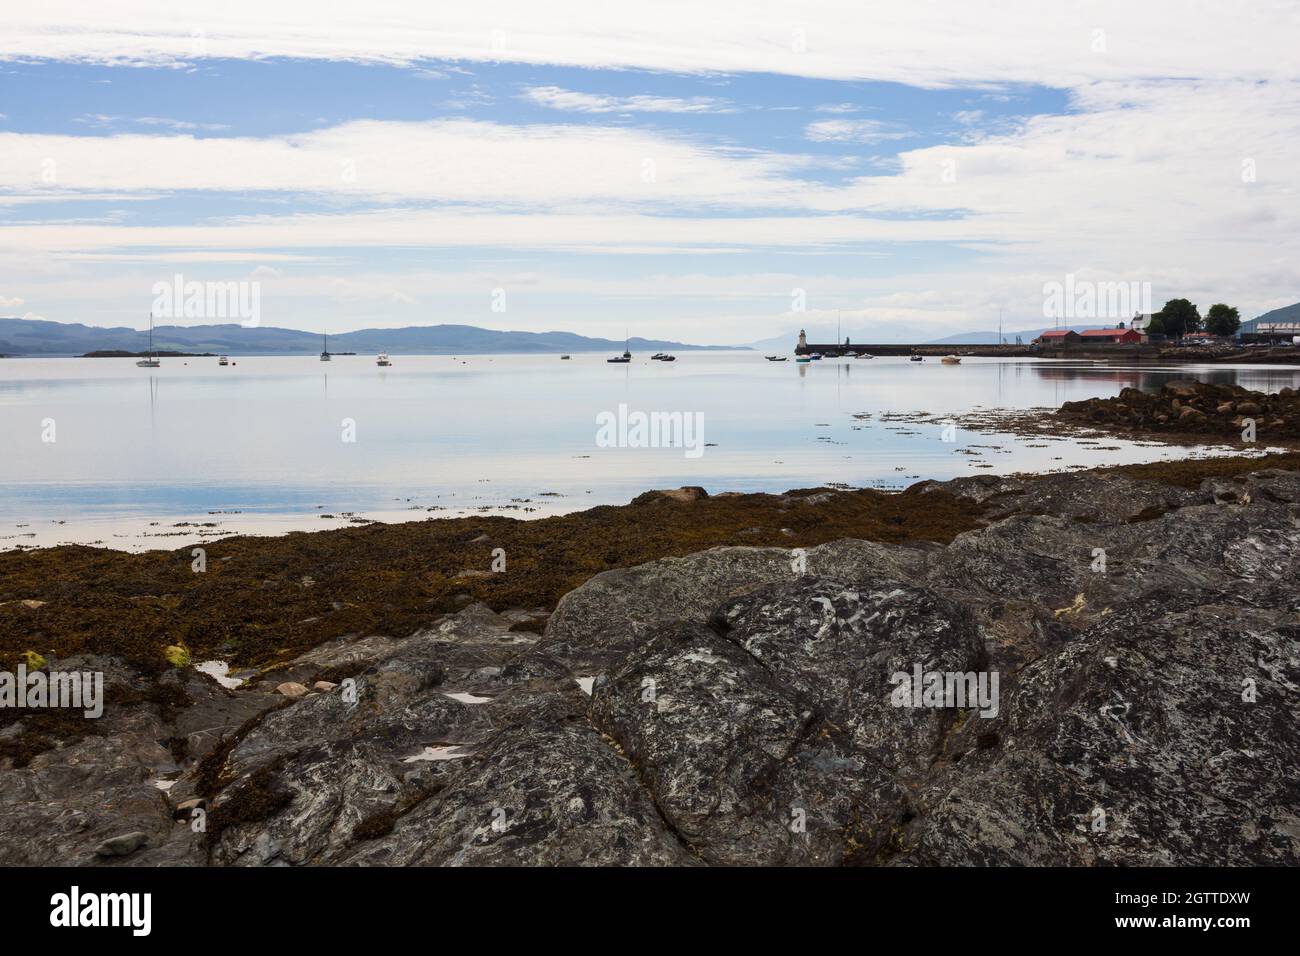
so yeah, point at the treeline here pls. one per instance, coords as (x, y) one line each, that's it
(1180, 317)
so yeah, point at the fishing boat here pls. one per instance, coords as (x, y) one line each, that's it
(325, 351)
(224, 360)
(951, 360)
(149, 361)
(775, 358)
(382, 361)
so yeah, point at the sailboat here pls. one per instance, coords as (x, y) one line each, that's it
(626, 356)
(325, 352)
(149, 361)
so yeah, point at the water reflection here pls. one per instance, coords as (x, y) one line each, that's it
(433, 431)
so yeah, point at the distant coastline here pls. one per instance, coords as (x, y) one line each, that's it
(39, 337)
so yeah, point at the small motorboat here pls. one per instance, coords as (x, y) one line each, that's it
(664, 357)
(383, 361)
(850, 354)
(223, 360)
(864, 355)
(951, 360)
(803, 359)
(775, 358)
(816, 356)
(564, 358)
(916, 358)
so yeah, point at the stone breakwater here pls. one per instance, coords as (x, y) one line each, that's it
(733, 706)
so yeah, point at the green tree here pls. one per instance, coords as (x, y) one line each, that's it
(1179, 317)
(1222, 320)
(1156, 326)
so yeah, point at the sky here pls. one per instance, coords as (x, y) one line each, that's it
(710, 172)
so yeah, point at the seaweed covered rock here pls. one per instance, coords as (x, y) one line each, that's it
(1222, 411)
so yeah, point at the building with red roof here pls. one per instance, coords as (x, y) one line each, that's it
(1111, 337)
(1058, 337)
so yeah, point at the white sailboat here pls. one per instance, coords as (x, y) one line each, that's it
(325, 351)
(149, 361)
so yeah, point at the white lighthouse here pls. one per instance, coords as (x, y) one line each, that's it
(803, 339)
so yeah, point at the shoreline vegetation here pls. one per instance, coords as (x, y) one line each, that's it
(265, 600)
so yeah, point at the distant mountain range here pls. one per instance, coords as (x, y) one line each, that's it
(39, 337)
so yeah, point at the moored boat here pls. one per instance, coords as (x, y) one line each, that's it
(149, 361)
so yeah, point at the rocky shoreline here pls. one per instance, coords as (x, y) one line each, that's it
(732, 705)
(1185, 412)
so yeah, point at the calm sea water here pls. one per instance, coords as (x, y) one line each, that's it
(259, 445)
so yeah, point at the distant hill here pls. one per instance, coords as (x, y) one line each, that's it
(1026, 335)
(40, 337)
(1288, 313)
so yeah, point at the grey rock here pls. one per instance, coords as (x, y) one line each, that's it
(122, 845)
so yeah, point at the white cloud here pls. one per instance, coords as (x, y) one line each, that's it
(1144, 178)
(968, 117)
(8, 303)
(852, 131)
(445, 160)
(181, 125)
(557, 98)
(920, 44)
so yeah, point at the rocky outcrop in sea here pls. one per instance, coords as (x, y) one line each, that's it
(1106, 673)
